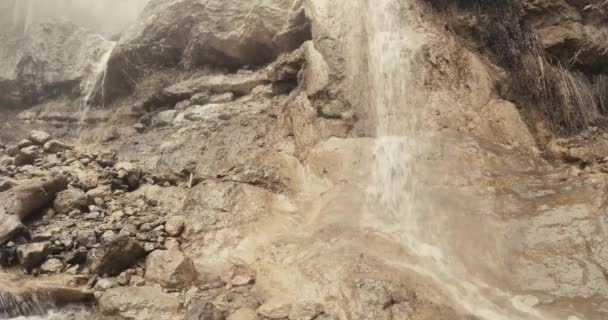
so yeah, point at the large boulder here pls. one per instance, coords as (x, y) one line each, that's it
(115, 256)
(139, 303)
(170, 268)
(48, 60)
(225, 33)
(19, 202)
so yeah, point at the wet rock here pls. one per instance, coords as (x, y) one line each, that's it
(39, 137)
(139, 303)
(305, 311)
(204, 311)
(114, 257)
(171, 269)
(31, 255)
(71, 199)
(51, 266)
(54, 146)
(274, 310)
(175, 226)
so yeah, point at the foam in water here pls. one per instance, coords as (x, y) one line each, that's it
(396, 38)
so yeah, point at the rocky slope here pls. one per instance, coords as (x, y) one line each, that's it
(311, 160)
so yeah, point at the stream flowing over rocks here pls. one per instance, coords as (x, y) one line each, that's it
(304, 160)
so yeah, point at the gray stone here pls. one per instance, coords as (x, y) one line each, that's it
(39, 137)
(114, 257)
(171, 269)
(71, 199)
(51, 266)
(33, 254)
(175, 226)
(54, 146)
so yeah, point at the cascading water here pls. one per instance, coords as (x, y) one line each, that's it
(92, 86)
(12, 306)
(397, 35)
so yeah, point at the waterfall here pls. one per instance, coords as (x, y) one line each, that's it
(12, 306)
(396, 37)
(92, 87)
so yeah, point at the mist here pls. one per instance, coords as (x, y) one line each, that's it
(106, 17)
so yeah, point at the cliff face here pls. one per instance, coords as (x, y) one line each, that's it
(315, 159)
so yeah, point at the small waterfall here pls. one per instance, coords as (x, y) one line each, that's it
(397, 185)
(92, 87)
(13, 306)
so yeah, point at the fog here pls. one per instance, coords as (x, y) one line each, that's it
(107, 17)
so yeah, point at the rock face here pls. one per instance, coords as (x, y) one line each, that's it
(573, 31)
(170, 268)
(49, 60)
(194, 33)
(115, 256)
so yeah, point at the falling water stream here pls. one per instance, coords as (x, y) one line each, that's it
(396, 39)
(92, 86)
